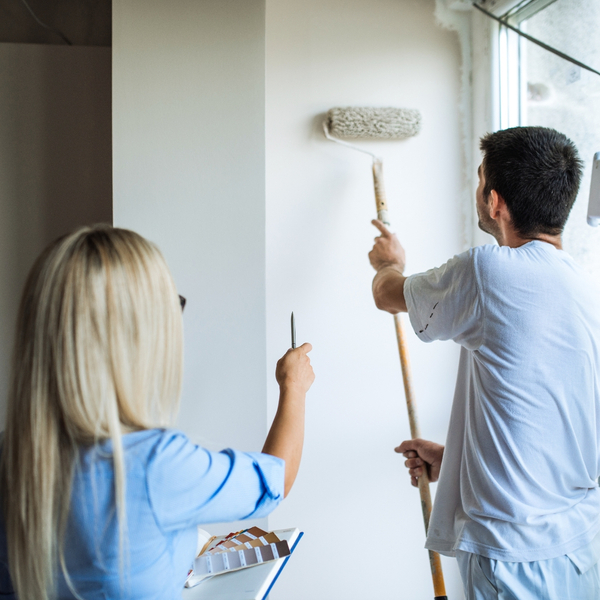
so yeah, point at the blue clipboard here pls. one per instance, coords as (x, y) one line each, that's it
(283, 565)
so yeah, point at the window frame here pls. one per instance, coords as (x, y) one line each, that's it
(513, 63)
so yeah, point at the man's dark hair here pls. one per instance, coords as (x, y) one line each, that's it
(537, 171)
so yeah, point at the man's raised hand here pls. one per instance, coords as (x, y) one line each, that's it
(387, 250)
(420, 453)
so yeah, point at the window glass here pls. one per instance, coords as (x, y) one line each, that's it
(556, 93)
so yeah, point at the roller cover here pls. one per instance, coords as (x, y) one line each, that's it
(383, 123)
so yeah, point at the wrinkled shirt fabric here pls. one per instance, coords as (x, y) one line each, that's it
(521, 463)
(172, 486)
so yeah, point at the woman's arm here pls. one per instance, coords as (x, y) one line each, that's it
(286, 436)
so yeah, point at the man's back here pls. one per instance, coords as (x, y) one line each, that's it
(517, 503)
(525, 421)
(538, 369)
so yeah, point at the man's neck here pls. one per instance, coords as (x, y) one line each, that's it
(514, 240)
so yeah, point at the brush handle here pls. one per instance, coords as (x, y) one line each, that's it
(380, 200)
(435, 562)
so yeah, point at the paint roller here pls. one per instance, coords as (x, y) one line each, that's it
(389, 124)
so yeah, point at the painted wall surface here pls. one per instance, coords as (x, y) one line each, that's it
(188, 128)
(352, 487)
(190, 101)
(55, 160)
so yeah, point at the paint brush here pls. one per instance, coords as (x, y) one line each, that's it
(293, 331)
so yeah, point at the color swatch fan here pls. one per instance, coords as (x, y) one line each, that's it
(240, 566)
(236, 551)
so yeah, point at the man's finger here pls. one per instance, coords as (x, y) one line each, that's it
(408, 445)
(306, 347)
(385, 232)
(416, 472)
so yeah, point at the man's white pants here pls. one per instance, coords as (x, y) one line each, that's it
(553, 579)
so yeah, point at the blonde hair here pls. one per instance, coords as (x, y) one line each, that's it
(98, 352)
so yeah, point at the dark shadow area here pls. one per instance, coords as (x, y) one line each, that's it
(82, 22)
(55, 159)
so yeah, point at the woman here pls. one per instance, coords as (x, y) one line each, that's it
(99, 499)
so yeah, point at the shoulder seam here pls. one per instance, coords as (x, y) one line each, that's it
(479, 290)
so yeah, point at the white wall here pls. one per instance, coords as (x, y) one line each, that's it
(55, 161)
(188, 130)
(352, 487)
(189, 106)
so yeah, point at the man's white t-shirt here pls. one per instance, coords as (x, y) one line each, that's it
(520, 468)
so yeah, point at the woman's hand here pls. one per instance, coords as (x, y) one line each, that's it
(421, 453)
(286, 437)
(294, 370)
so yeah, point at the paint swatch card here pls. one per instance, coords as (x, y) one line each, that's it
(238, 550)
(254, 583)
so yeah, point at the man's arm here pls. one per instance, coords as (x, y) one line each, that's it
(387, 258)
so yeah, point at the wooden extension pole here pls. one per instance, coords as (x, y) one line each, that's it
(435, 563)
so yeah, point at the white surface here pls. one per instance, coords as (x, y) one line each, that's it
(189, 133)
(188, 108)
(320, 201)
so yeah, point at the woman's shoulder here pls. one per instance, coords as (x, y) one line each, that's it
(140, 447)
(164, 446)
(153, 437)
(152, 443)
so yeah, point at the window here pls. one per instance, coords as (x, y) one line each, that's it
(538, 88)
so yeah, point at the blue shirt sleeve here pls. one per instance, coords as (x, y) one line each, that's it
(189, 485)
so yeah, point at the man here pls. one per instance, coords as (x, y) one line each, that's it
(517, 501)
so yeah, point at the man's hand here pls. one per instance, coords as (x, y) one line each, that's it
(387, 258)
(421, 453)
(387, 250)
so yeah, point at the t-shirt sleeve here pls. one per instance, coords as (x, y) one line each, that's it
(444, 303)
(189, 485)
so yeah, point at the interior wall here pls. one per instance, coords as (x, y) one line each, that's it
(189, 104)
(55, 160)
(353, 494)
(188, 130)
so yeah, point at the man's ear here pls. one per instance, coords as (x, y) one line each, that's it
(497, 205)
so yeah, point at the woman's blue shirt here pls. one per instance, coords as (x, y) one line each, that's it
(172, 486)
